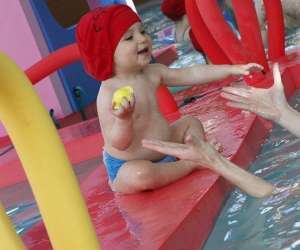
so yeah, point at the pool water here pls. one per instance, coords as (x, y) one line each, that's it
(246, 223)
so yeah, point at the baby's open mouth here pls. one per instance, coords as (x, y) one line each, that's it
(145, 50)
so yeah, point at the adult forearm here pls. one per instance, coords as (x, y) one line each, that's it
(290, 120)
(122, 133)
(244, 180)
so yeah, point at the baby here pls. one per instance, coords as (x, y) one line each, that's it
(116, 50)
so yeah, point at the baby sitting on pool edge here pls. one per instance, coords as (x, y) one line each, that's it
(116, 50)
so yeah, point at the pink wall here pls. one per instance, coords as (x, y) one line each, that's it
(18, 41)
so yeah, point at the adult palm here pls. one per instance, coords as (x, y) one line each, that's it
(194, 149)
(268, 103)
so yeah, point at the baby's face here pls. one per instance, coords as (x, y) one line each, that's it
(134, 49)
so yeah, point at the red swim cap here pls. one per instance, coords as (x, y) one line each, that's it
(98, 34)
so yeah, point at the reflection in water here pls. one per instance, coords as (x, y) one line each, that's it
(24, 216)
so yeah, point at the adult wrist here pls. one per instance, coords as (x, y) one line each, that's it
(218, 163)
(286, 113)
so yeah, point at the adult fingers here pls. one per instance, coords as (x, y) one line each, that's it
(235, 98)
(164, 149)
(244, 92)
(163, 144)
(277, 76)
(240, 85)
(241, 106)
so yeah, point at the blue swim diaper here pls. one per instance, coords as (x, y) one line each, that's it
(113, 164)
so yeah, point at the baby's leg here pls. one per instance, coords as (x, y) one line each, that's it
(187, 125)
(139, 175)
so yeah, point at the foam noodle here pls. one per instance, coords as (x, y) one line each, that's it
(44, 159)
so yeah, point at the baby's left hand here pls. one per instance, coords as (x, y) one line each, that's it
(245, 69)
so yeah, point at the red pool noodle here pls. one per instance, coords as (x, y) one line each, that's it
(203, 35)
(249, 29)
(274, 16)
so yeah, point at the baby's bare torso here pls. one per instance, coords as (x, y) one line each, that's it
(148, 122)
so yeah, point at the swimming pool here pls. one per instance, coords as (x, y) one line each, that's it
(272, 223)
(22, 208)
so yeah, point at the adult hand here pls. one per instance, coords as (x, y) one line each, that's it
(195, 149)
(269, 103)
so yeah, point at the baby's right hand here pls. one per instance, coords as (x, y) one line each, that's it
(126, 109)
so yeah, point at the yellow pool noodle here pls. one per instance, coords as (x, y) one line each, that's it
(8, 236)
(44, 159)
